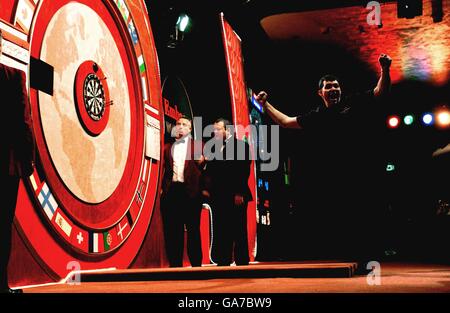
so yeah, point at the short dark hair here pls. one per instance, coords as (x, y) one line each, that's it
(328, 78)
(185, 117)
(226, 123)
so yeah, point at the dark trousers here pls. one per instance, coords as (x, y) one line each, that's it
(9, 188)
(229, 231)
(178, 210)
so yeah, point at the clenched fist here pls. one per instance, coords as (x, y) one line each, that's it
(261, 97)
(385, 61)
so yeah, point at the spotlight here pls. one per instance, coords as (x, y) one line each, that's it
(408, 119)
(427, 119)
(393, 121)
(183, 22)
(182, 26)
(443, 118)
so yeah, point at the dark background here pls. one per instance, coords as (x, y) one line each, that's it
(409, 224)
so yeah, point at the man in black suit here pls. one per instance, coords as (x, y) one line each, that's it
(16, 155)
(182, 195)
(227, 180)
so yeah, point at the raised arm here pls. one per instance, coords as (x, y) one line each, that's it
(278, 117)
(384, 83)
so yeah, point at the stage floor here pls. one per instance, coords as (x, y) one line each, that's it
(305, 277)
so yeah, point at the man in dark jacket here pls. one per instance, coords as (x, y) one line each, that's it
(227, 176)
(181, 200)
(16, 155)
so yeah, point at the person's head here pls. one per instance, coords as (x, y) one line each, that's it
(221, 128)
(183, 127)
(329, 90)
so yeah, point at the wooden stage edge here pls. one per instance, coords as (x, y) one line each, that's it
(311, 269)
(254, 270)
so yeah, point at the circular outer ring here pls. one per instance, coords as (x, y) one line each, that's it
(51, 241)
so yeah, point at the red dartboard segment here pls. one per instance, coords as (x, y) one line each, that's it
(57, 225)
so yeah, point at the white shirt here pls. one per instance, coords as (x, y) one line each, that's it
(226, 141)
(179, 150)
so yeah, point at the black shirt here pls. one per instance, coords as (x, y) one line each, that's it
(342, 115)
(337, 148)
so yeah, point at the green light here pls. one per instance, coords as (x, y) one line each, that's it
(390, 167)
(408, 120)
(286, 180)
(183, 22)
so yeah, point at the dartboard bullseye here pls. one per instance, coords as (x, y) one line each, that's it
(98, 133)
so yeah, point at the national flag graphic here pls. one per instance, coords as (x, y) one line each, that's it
(63, 224)
(141, 64)
(123, 229)
(24, 14)
(34, 180)
(95, 242)
(47, 201)
(140, 194)
(133, 33)
(123, 9)
(107, 240)
(151, 109)
(134, 212)
(144, 88)
(144, 172)
(80, 239)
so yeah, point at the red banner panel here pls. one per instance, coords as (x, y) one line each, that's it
(241, 115)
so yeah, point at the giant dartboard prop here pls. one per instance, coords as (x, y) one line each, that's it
(97, 132)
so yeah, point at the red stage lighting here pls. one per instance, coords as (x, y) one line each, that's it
(393, 122)
(443, 118)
